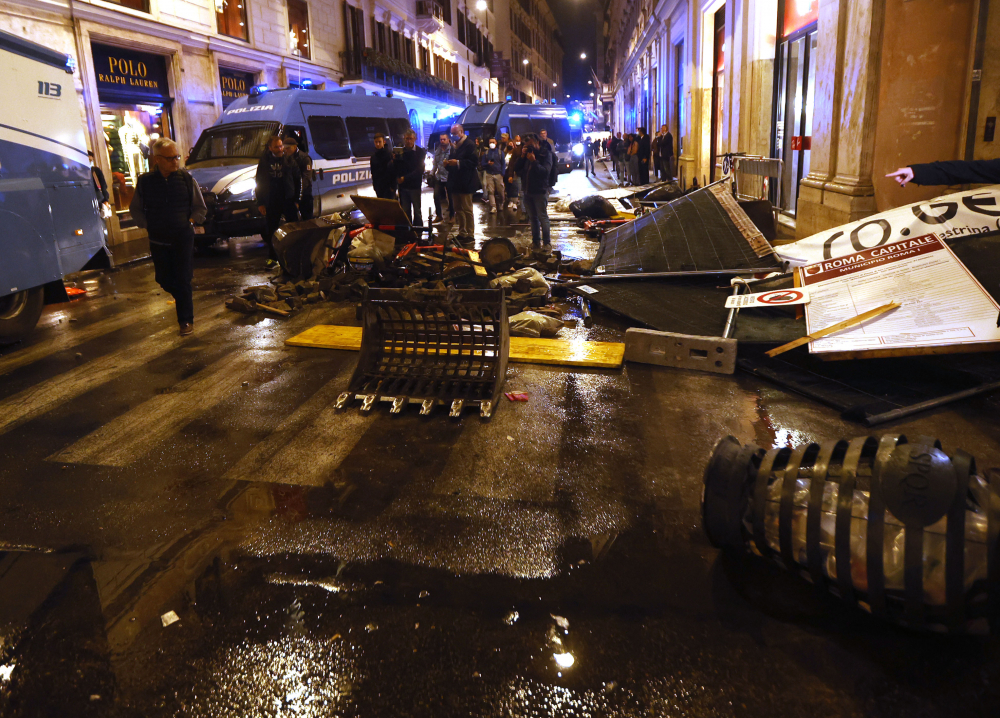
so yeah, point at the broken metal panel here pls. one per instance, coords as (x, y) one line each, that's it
(430, 348)
(703, 231)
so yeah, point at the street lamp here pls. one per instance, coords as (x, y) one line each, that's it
(590, 82)
(583, 56)
(524, 61)
(554, 84)
(481, 5)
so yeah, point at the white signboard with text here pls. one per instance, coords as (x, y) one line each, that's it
(942, 303)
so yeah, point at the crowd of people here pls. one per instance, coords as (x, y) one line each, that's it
(513, 173)
(634, 154)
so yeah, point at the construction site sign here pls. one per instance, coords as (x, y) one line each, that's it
(942, 303)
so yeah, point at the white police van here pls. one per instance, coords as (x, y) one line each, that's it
(337, 129)
(50, 223)
(492, 119)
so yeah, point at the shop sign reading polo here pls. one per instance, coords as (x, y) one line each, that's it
(126, 75)
(234, 84)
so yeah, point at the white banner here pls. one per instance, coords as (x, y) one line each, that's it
(955, 215)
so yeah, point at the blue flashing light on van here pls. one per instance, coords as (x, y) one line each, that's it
(517, 118)
(336, 127)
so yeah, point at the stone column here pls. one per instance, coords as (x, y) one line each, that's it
(839, 186)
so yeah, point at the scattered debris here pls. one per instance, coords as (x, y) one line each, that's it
(534, 324)
(169, 618)
(516, 395)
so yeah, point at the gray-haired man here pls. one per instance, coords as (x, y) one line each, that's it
(167, 203)
(409, 169)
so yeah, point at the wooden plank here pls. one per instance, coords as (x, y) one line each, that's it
(839, 326)
(911, 351)
(560, 352)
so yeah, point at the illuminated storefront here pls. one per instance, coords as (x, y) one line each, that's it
(795, 96)
(135, 110)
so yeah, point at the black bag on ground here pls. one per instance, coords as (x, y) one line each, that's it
(592, 207)
(667, 193)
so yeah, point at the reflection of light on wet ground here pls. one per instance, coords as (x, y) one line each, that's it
(564, 660)
(285, 677)
(789, 437)
(5, 672)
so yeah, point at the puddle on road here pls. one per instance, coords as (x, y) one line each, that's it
(624, 628)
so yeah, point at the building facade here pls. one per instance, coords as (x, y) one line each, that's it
(842, 91)
(151, 68)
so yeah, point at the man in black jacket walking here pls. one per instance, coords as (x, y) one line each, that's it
(951, 172)
(463, 182)
(277, 185)
(383, 176)
(409, 170)
(304, 190)
(167, 202)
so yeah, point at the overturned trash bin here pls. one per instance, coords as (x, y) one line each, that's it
(892, 525)
(431, 347)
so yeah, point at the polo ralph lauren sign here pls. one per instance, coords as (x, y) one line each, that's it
(129, 75)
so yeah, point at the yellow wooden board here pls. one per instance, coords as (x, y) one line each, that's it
(595, 355)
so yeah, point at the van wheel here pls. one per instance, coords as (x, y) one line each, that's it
(19, 313)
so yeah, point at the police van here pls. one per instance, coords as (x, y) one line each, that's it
(337, 128)
(50, 223)
(493, 119)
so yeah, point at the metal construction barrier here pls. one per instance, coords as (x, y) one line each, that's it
(431, 347)
(890, 524)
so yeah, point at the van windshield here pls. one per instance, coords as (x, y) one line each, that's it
(557, 127)
(232, 144)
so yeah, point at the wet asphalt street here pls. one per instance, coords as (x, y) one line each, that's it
(548, 562)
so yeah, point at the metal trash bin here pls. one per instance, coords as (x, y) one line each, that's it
(431, 347)
(890, 524)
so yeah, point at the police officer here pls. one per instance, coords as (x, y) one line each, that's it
(305, 165)
(167, 202)
(276, 191)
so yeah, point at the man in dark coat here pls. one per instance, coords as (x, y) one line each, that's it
(645, 153)
(305, 186)
(463, 181)
(950, 172)
(409, 170)
(383, 175)
(167, 202)
(534, 167)
(277, 191)
(665, 150)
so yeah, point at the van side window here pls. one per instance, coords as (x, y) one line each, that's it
(299, 133)
(397, 126)
(329, 137)
(362, 131)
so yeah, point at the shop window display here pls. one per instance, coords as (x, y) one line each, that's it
(128, 132)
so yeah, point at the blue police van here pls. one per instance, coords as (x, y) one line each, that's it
(50, 223)
(492, 119)
(336, 127)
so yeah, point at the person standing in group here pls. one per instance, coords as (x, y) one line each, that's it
(644, 155)
(442, 199)
(409, 170)
(493, 164)
(633, 159)
(613, 142)
(654, 156)
(462, 182)
(277, 190)
(383, 176)
(534, 166)
(588, 158)
(665, 149)
(167, 202)
(512, 179)
(304, 164)
(544, 137)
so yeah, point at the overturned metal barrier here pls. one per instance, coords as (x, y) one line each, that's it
(431, 347)
(891, 525)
